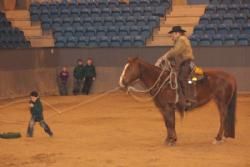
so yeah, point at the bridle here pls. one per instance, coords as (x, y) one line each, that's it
(168, 80)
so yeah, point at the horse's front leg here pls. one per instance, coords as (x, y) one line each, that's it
(169, 118)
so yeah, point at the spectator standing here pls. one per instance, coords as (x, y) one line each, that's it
(78, 77)
(90, 75)
(63, 81)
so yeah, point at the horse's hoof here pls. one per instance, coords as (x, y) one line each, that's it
(218, 141)
(170, 143)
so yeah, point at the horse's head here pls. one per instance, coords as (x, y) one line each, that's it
(130, 73)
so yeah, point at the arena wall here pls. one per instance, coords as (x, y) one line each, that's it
(23, 70)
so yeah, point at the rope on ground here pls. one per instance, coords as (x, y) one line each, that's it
(12, 103)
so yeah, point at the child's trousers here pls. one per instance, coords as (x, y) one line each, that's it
(42, 123)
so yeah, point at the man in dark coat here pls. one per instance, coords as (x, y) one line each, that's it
(78, 77)
(36, 110)
(90, 75)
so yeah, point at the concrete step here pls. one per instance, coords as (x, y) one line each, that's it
(18, 14)
(181, 20)
(45, 41)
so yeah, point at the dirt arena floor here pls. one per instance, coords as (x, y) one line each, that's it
(117, 131)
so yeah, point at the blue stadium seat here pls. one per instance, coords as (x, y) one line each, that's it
(139, 41)
(35, 15)
(69, 31)
(233, 9)
(227, 2)
(166, 3)
(90, 31)
(210, 29)
(240, 18)
(104, 41)
(146, 31)
(145, 3)
(130, 21)
(134, 3)
(142, 20)
(67, 22)
(216, 19)
(57, 22)
(113, 3)
(58, 31)
(106, 12)
(60, 42)
(126, 11)
(102, 3)
(71, 42)
(85, 12)
(205, 19)
(199, 29)
(204, 40)
(112, 31)
(242, 40)
(228, 19)
(115, 41)
(76, 22)
(101, 31)
(83, 41)
(137, 11)
(98, 21)
(160, 11)
(46, 24)
(79, 31)
(108, 21)
(135, 31)
(215, 2)
(244, 8)
(119, 21)
(65, 13)
(87, 21)
(155, 3)
(217, 40)
(92, 4)
(55, 13)
(116, 12)
(93, 41)
(75, 12)
(246, 28)
(124, 30)
(235, 28)
(127, 41)
(210, 9)
(221, 9)
(45, 13)
(95, 12)
(230, 40)
(223, 29)
(154, 21)
(194, 39)
(148, 11)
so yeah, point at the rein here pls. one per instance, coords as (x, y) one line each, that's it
(168, 79)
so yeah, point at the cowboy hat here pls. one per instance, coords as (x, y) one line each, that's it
(176, 29)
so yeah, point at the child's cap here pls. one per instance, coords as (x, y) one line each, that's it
(34, 94)
(79, 60)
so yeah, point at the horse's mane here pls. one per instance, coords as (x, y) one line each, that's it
(155, 68)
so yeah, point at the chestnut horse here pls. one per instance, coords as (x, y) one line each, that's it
(217, 85)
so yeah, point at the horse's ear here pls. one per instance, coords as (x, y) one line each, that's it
(130, 59)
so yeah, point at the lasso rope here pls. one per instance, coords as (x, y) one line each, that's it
(57, 111)
(168, 79)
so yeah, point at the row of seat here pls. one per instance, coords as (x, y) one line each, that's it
(151, 21)
(99, 4)
(11, 37)
(144, 31)
(101, 41)
(138, 11)
(222, 29)
(223, 9)
(228, 2)
(240, 18)
(219, 40)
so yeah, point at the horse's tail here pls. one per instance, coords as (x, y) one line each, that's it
(231, 116)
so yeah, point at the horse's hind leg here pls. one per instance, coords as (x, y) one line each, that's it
(222, 112)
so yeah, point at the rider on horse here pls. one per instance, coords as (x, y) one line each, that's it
(181, 58)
